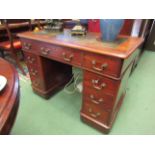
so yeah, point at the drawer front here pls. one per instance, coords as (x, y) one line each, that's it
(26, 45)
(36, 82)
(31, 59)
(100, 84)
(67, 55)
(35, 75)
(103, 101)
(96, 113)
(103, 64)
(35, 78)
(34, 71)
(63, 54)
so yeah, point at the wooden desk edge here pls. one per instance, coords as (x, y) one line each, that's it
(106, 51)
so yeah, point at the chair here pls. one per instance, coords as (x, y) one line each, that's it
(13, 44)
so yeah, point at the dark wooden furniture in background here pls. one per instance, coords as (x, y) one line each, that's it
(23, 24)
(13, 45)
(106, 68)
(150, 44)
(10, 42)
(9, 97)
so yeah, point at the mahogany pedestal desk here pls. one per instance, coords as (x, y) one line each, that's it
(106, 68)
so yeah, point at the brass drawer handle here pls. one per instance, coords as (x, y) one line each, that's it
(96, 101)
(68, 59)
(44, 51)
(94, 82)
(27, 46)
(30, 59)
(103, 66)
(95, 115)
(34, 72)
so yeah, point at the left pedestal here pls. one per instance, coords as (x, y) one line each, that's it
(47, 76)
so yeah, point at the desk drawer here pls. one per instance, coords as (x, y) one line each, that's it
(103, 64)
(31, 59)
(100, 84)
(96, 113)
(64, 54)
(27, 45)
(100, 100)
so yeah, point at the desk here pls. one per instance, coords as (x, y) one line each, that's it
(9, 97)
(106, 68)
